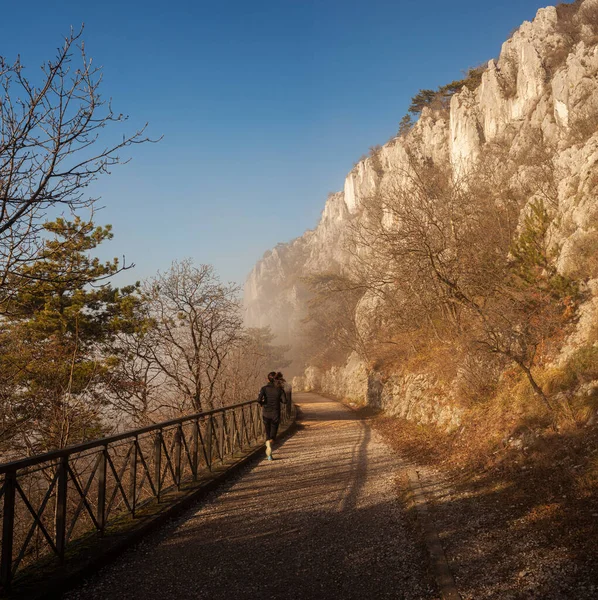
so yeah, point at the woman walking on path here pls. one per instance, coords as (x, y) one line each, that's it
(270, 397)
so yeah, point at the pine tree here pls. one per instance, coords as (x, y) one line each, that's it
(55, 340)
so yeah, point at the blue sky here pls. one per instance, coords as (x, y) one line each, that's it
(264, 106)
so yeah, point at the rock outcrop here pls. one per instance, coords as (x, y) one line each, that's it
(545, 82)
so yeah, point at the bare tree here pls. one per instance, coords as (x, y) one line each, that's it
(455, 256)
(136, 389)
(246, 366)
(424, 247)
(50, 148)
(515, 323)
(331, 332)
(197, 323)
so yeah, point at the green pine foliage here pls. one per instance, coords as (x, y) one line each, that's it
(534, 259)
(55, 339)
(439, 98)
(405, 125)
(422, 99)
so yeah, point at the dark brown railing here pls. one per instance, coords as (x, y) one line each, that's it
(53, 499)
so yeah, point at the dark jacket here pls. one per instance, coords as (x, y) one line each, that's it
(270, 397)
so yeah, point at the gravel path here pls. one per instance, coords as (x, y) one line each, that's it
(323, 520)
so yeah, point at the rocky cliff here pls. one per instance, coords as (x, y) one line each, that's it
(545, 82)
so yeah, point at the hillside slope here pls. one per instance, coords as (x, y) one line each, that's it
(539, 97)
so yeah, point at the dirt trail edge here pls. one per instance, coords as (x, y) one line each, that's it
(323, 520)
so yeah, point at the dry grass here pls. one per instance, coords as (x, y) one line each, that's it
(515, 489)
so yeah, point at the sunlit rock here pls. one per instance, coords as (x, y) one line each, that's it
(541, 85)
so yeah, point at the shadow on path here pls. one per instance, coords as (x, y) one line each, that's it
(321, 521)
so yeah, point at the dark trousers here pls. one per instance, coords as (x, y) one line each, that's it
(271, 426)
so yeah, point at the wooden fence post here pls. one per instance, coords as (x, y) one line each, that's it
(195, 449)
(209, 436)
(178, 436)
(61, 497)
(158, 462)
(8, 523)
(102, 469)
(133, 482)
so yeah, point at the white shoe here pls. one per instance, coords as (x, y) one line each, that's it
(268, 448)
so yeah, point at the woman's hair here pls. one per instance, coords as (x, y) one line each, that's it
(280, 376)
(271, 376)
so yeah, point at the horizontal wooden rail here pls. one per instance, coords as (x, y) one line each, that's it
(47, 456)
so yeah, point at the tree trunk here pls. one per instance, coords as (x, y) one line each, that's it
(537, 389)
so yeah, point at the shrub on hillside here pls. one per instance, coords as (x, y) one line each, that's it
(507, 75)
(583, 121)
(571, 385)
(577, 21)
(376, 162)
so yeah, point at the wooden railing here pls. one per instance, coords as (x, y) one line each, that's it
(51, 500)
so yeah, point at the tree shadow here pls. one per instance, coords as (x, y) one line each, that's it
(311, 525)
(527, 526)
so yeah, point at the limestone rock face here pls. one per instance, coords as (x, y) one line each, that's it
(413, 396)
(540, 83)
(273, 290)
(275, 294)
